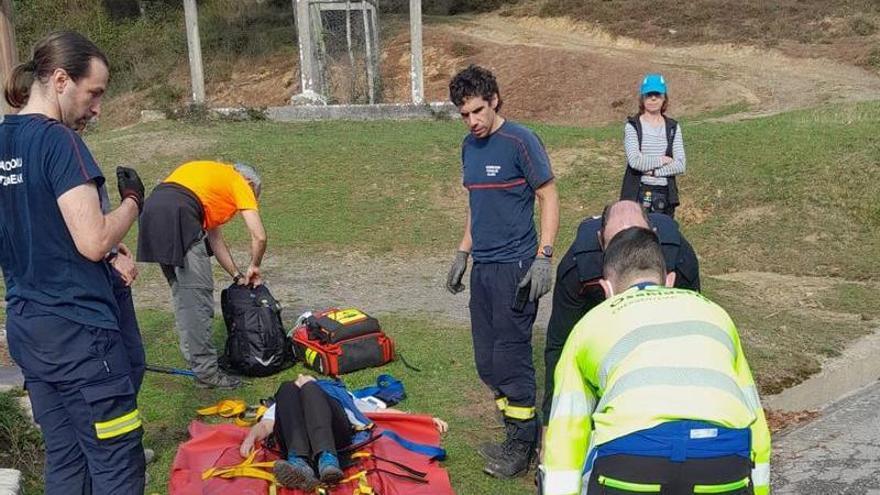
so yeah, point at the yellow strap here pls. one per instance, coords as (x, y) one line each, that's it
(246, 472)
(521, 413)
(311, 354)
(118, 426)
(248, 468)
(347, 316)
(225, 408)
(354, 476)
(363, 487)
(251, 415)
(501, 402)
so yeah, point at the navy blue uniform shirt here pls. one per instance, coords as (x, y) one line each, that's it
(502, 172)
(41, 159)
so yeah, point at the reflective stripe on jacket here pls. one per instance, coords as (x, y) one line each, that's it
(618, 374)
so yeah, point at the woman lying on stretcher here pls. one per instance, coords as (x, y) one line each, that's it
(310, 424)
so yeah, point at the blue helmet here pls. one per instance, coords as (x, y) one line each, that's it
(653, 83)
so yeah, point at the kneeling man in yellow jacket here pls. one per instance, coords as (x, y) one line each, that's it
(653, 393)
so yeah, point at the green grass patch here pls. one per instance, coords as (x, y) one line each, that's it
(21, 446)
(732, 109)
(857, 299)
(446, 387)
(783, 343)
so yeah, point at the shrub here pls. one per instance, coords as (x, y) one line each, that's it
(21, 446)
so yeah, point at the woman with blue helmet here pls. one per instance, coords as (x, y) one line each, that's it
(654, 150)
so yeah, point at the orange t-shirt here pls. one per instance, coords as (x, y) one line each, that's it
(221, 190)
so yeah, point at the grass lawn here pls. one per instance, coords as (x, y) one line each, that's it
(794, 193)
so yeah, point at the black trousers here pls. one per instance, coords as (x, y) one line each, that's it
(308, 422)
(503, 339)
(571, 301)
(674, 478)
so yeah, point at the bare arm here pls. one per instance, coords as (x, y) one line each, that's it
(258, 235)
(257, 433)
(548, 202)
(221, 251)
(94, 233)
(467, 242)
(124, 263)
(258, 244)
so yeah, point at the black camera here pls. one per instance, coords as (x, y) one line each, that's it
(659, 204)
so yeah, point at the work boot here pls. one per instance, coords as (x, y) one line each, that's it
(492, 450)
(220, 380)
(295, 473)
(515, 460)
(517, 451)
(328, 468)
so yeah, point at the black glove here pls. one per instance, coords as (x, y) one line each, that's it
(456, 272)
(130, 186)
(540, 275)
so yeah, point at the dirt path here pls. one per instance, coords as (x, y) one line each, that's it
(378, 284)
(584, 75)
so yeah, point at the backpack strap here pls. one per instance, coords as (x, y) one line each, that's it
(671, 128)
(636, 122)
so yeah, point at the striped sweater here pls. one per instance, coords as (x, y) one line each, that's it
(647, 158)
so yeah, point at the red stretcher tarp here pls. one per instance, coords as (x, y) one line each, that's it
(217, 446)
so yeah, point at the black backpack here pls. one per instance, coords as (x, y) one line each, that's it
(256, 344)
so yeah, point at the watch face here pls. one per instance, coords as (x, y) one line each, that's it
(547, 251)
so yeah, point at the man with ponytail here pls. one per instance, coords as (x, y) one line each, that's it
(62, 319)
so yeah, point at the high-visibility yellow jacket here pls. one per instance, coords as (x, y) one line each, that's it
(642, 358)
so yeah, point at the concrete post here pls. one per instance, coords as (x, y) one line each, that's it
(8, 53)
(351, 75)
(310, 78)
(195, 51)
(415, 30)
(368, 47)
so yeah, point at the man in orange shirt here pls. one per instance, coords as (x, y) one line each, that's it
(180, 230)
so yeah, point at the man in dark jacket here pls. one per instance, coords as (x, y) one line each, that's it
(577, 288)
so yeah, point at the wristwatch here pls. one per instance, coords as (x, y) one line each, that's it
(547, 251)
(235, 278)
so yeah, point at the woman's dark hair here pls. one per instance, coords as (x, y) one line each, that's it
(662, 108)
(471, 82)
(66, 50)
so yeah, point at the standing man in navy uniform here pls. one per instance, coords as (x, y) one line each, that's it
(61, 314)
(577, 288)
(504, 168)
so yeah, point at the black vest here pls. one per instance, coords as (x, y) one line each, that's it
(677, 252)
(632, 177)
